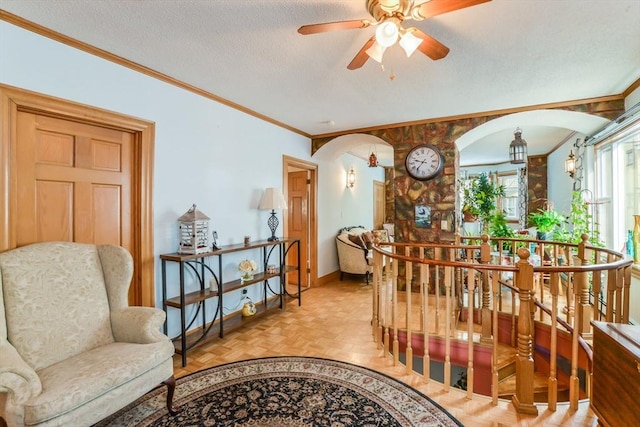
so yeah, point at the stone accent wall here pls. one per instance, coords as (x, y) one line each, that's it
(389, 196)
(537, 179)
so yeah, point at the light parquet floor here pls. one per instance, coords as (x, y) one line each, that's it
(334, 322)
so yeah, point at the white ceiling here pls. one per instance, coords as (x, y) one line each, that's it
(504, 54)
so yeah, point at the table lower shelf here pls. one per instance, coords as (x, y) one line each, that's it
(231, 322)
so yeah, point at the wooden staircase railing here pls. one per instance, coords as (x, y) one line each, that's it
(425, 290)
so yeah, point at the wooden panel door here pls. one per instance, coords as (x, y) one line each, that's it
(298, 222)
(378, 204)
(74, 182)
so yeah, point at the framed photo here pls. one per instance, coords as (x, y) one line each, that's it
(380, 235)
(423, 216)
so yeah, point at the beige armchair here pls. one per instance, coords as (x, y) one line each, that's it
(353, 254)
(71, 350)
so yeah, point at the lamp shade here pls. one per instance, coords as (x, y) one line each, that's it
(409, 42)
(376, 51)
(387, 33)
(272, 199)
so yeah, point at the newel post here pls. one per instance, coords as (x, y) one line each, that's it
(523, 399)
(584, 312)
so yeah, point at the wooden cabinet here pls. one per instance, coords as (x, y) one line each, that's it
(615, 395)
(197, 265)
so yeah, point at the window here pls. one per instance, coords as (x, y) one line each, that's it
(509, 204)
(617, 174)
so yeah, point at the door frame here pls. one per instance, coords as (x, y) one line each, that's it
(379, 184)
(13, 100)
(288, 163)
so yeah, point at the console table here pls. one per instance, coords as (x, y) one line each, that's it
(204, 274)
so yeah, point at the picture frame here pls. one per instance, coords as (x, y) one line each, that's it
(422, 216)
(380, 235)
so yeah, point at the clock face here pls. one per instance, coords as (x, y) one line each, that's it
(424, 162)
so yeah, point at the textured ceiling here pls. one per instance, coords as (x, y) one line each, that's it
(504, 54)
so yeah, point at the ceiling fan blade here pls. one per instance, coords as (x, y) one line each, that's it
(333, 26)
(430, 46)
(438, 7)
(361, 57)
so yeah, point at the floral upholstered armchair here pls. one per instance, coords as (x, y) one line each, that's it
(72, 351)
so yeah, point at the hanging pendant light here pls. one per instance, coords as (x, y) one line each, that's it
(373, 160)
(518, 148)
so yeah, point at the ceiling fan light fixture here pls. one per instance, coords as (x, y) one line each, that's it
(376, 51)
(409, 42)
(387, 33)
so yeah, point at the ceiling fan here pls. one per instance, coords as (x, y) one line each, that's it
(388, 16)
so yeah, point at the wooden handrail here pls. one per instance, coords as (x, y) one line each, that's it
(440, 272)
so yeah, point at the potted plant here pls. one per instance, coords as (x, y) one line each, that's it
(546, 221)
(498, 227)
(480, 197)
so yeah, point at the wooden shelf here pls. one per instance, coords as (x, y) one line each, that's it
(201, 295)
(238, 284)
(191, 298)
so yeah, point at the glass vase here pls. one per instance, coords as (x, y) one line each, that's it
(636, 239)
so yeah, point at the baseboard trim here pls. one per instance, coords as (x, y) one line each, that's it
(328, 278)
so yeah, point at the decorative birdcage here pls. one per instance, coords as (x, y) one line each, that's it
(193, 232)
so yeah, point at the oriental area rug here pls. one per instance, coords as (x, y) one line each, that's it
(285, 391)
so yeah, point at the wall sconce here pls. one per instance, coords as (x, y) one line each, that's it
(518, 148)
(351, 178)
(570, 164)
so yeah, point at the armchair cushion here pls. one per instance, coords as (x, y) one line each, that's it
(83, 378)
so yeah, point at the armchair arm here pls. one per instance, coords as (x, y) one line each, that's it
(138, 325)
(16, 377)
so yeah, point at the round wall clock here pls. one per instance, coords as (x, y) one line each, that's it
(424, 162)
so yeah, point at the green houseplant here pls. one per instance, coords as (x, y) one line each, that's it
(579, 222)
(546, 221)
(498, 227)
(480, 197)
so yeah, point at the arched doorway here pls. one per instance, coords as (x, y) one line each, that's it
(550, 135)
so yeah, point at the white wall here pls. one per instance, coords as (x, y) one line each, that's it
(205, 152)
(341, 206)
(559, 183)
